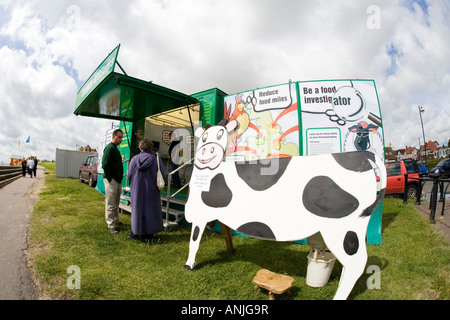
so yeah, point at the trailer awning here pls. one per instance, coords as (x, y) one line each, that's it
(111, 95)
(179, 117)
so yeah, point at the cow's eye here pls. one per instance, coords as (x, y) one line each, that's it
(205, 137)
(220, 134)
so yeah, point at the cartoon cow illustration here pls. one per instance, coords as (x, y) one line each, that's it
(286, 199)
(363, 130)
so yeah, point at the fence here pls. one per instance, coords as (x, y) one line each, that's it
(8, 174)
(438, 184)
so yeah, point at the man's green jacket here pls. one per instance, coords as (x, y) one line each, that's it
(112, 163)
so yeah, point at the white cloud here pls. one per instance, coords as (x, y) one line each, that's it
(49, 48)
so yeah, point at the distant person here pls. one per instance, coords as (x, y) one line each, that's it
(174, 154)
(112, 178)
(24, 168)
(30, 164)
(35, 166)
(146, 217)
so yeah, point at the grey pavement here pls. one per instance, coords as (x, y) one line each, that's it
(441, 222)
(16, 201)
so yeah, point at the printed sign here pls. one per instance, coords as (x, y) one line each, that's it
(268, 123)
(340, 116)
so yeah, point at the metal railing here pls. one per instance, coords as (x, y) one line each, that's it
(178, 214)
(9, 174)
(171, 196)
(438, 183)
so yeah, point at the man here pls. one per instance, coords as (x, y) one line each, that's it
(112, 178)
(35, 166)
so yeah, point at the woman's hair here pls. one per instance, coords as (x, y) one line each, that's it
(146, 145)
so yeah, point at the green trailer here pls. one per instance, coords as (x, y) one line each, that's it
(292, 119)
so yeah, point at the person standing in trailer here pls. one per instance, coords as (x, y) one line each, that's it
(146, 217)
(174, 154)
(112, 178)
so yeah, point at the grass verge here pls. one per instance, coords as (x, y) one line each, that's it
(68, 229)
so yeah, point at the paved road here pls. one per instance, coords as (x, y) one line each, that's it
(16, 201)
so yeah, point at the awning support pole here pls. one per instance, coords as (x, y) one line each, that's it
(121, 68)
(190, 119)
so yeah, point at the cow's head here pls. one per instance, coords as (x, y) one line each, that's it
(362, 130)
(213, 143)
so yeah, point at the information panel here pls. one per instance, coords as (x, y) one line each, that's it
(308, 118)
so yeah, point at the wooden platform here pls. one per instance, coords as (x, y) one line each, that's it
(273, 282)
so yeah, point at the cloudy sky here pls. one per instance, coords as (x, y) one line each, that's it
(49, 48)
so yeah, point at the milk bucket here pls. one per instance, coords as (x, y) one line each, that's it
(320, 265)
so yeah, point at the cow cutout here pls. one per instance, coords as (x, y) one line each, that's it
(286, 199)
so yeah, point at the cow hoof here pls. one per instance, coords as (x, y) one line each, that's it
(189, 268)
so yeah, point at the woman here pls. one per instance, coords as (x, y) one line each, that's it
(146, 216)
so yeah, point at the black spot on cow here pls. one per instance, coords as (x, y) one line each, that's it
(195, 233)
(355, 160)
(262, 174)
(351, 243)
(324, 198)
(257, 230)
(219, 195)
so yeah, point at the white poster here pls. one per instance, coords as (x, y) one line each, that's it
(268, 123)
(340, 116)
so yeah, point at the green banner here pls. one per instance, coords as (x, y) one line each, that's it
(102, 71)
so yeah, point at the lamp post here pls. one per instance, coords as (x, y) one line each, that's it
(421, 109)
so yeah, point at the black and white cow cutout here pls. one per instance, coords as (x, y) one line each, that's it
(333, 194)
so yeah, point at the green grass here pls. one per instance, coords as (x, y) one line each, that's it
(68, 228)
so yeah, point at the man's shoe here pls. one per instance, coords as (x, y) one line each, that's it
(112, 230)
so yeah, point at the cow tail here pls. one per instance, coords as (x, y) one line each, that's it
(382, 167)
(383, 178)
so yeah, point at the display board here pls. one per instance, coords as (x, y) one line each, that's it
(268, 123)
(340, 116)
(308, 118)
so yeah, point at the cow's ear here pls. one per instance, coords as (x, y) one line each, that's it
(353, 128)
(199, 132)
(232, 125)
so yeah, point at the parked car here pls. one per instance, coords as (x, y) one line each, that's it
(88, 170)
(423, 170)
(442, 168)
(396, 177)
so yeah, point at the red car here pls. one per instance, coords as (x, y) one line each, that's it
(88, 170)
(396, 177)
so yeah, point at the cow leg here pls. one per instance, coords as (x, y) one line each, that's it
(196, 236)
(350, 249)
